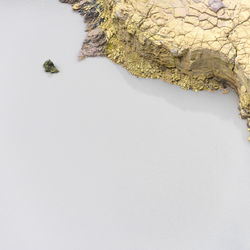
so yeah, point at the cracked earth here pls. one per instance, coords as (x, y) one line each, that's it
(196, 44)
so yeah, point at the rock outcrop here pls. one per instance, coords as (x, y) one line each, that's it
(196, 44)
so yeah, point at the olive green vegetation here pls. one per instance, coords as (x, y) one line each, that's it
(50, 67)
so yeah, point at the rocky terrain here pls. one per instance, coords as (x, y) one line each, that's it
(196, 44)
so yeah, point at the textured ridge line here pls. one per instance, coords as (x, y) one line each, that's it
(94, 43)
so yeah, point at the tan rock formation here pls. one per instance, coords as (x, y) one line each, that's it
(196, 44)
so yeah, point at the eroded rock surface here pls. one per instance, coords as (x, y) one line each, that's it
(196, 44)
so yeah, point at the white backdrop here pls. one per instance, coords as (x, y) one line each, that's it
(95, 159)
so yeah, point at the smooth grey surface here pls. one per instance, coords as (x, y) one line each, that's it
(96, 159)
